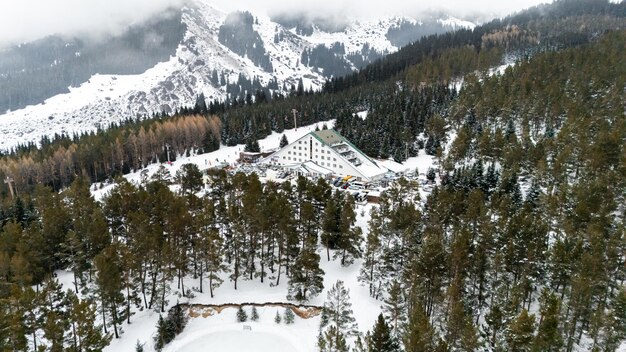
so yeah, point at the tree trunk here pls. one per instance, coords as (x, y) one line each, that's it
(201, 273)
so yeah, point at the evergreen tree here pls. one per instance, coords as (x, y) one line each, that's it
(549, 336)
(283, 142)
(339, 310)
(289, 316)
(252, 146)
(381, 339)
(189, 177)
(255, 314)
(85, 334)
(163, 335)
(349, 240)
(430, 175)
(332, 340)
(419, 333)
(277, 318)
(242, 316)
(109, 267)
(520, 333)
(307, 279)
(177, 319)
(395, 307)
(139, 346)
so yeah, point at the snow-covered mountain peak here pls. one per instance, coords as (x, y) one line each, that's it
(220, 58)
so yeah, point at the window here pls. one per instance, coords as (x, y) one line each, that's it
(334, 159)
(334, 165)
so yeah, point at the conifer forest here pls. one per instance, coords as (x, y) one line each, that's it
(518, 243)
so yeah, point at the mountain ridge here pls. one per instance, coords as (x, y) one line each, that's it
(203, 64)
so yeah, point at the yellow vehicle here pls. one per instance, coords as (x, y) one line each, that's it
(345, 179)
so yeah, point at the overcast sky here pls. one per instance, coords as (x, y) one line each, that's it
(25, 20)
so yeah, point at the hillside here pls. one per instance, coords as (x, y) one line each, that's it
(501, 225)
(69, 85)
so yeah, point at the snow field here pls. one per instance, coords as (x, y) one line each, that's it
(222, 332)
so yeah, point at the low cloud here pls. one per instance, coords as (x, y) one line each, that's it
(26, 20)
(376, 9)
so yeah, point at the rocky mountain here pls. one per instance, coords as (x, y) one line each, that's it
(66, 85)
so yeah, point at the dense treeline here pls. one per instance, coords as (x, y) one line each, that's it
(541, 21)
(126, 252)
(115, 152)
(523, 246)
(440, 61)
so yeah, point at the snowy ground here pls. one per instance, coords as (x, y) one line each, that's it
(221, 332)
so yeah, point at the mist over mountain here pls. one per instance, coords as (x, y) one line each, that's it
(60, 83)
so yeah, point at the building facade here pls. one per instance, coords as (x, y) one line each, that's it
(328, 149)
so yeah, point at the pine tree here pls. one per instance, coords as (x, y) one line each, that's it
(189, 177)
(339, 310)
(109, 267)
(277, 318)
(549, 336)
(242, 316)
(307, 279)
(431, 175)
(252, 146)
(348, 243)
(289, 316)
(85, 335)
(381, 339)
(283, 142)
(139, 346)
(163, 335)
(419, 333)
(520, 333)
(395, 307)
(332, 340)
(54, 330)
(177, 319)
(255, 314)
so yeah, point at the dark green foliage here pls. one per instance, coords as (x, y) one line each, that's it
(283, 141)
(430, 174)
(289, 316)
(252, 146)
(189, 177)
(169, 327)
(381, 339)
(277, 318)
(255, 315)
(242, 316)
(520, 332)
